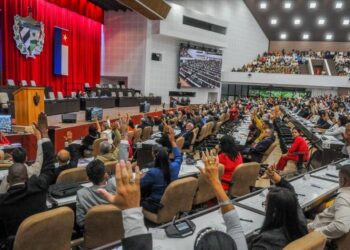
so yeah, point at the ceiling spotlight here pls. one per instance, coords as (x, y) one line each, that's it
(297, 21)
(263, 5)
(346, 21)
(313, 5)
(273, 21)
(338, 4)
(321, 21)
(287, 5)
(329, 36)
(306, 36)
(283, 36)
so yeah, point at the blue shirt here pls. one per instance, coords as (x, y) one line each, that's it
(154, 178)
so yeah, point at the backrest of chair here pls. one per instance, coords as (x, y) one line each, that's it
(137, 94)
(311, 241)
(120, 94)
(180, 142)
(110, 86)
(48, 230)
(4, 98)
(60, 95)
(222, 117)
(96, 146)
(113, 94)
(73, 94)
(137, 135)
(52, 96)
(205, 192)
(146, 133)
(110, 167)
(24, 83)
(103, 225)
(243, 178)
(217, 127)
(195, 134)
(178, 197)
(72, 175)
(98, 85)
(129, 94)
(203, 132)
(87, 85)
(11, 82)
(343, 243)
(32, 83)
(209, 128)
(269, 150)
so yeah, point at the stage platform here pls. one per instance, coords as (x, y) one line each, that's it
(58, 130)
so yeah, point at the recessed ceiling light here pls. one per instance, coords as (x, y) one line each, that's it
(263, 5)
(306, 36)
(297, 21)
(273, 21)
(346, 21)
(283, 36)
(287, 5)
(313, 5)
(321, 21)
(329, 36)
(338, 4)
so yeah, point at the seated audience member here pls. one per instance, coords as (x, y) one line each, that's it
(234, 113)
(299, 146)
(284, 221)
(346, 148)
(262, 131)
(188, 135)
(20, 156)
(131, 126)
(338, 129)
(26, 196)
(3, 139)
(324, 121)
(64, 162)
(230, 158)
(4, 158)
(88, 197)
(108, 152)
(155, 181)
(257, 150)
(334, 221)
(89, 140)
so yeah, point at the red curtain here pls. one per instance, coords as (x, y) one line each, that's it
(84, 46)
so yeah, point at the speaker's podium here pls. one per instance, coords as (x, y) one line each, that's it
(29, 103)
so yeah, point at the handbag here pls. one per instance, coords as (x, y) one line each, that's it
(62, 190)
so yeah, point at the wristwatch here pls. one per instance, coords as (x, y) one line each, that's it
(225, 203)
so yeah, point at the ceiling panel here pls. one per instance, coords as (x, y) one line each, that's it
(308, 19)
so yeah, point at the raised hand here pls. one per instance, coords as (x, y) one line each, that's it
(36, 132)
(42, 125)
(128, 187)
(211, 167)
(69, 136)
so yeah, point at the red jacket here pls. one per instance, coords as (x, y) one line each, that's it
(234, 114)
(230, 167)
(299, 145)
(4, 140)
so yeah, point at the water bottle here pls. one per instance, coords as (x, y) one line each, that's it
(184, 158)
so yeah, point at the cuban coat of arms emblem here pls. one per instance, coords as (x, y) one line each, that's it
(29, 35)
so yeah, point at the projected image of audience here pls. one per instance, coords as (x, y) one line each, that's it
(200, 68)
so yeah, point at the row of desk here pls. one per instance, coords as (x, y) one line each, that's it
(329, 148)
(312, 189)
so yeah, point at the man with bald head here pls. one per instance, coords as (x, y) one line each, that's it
(26, 195)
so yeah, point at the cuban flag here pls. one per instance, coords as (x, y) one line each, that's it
(60, 61)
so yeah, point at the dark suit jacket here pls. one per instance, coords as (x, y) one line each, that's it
(27, 199)
(188, 135)
(260, 148)
(138, 242)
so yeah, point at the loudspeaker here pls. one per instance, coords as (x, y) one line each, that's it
(156, 57)
(91, 113)
(69, 118)
(172, 104)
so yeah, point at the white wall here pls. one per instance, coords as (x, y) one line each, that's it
(244, 39)
(130, 39)
(124, 47)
